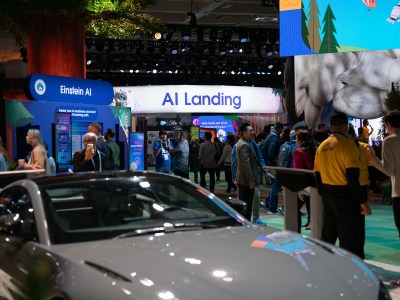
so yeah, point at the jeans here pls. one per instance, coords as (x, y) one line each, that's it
(166, 170)
(272, 200)
(181, 173)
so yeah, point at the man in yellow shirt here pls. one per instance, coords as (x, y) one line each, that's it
(337, 168)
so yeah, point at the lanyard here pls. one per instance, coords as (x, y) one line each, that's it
(100, 165)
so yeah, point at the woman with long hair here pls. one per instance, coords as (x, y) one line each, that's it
(3, 157)
(38, 154)
(303, 158)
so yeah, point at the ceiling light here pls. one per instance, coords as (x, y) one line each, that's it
(157, 35)
(186, 34)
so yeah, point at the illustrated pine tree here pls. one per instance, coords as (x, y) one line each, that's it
(329, 43)
(304, 30)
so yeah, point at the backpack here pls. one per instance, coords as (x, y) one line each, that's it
(285, 157)
(264, 146)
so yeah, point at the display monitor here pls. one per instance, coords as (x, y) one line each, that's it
(136, 151)
(223, 125)
(63, 139)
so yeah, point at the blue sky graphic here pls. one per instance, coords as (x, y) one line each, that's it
(360, 27)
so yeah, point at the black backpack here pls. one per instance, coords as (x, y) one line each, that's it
(285, 157)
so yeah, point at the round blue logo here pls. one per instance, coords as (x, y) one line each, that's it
(40, 87)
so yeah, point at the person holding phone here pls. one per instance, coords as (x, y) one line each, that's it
(161, 152)
(90, 158)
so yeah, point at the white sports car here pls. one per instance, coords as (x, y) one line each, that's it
(143, 235)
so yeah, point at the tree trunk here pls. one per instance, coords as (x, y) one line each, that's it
(56, 46)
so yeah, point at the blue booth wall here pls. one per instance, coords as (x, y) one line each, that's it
(24, 114)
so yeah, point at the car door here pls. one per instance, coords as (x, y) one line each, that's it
(18, 235)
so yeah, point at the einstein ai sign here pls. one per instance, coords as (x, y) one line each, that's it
(199, 99)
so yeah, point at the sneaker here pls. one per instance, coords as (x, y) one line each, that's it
(305, 224)
(280, 210)
(259, 222)
(265, 205)
(272, 213)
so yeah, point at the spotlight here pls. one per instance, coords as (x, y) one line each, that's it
(186, 34)
(222, 50)
(243, 36)
(157, 35)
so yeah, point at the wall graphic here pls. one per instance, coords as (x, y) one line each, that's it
(356, 83)
(328, 26)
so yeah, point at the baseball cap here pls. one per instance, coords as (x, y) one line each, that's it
(278, 125)
(300, 125)
(338, 118)
(162, 132)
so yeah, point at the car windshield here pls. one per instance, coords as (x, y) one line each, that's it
(126, 206)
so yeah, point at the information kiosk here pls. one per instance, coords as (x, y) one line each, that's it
(294, 181)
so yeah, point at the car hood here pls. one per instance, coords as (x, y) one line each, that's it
(227, 263)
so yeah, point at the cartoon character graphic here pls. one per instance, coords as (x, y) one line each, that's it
(120, 99)
(395, 14)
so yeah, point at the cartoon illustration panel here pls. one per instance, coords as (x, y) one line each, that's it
(329, 26)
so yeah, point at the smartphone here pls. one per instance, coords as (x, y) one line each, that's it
(90, 146)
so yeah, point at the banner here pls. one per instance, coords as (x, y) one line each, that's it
(199, 99)
(43, 87)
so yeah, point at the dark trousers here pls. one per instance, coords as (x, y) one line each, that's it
(396, 212)
(181, 173)
(299, 206)
(218, 172)
(211, 172)
(342, 219)
(228, 178)
(246, 194)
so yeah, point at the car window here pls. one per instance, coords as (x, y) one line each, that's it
(105, 208)
(16, 213)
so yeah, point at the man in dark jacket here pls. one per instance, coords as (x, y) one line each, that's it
(90, 158)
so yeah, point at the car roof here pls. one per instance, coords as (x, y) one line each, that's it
(84, 176)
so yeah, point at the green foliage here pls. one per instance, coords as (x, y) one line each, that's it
(106, 18)
(329, 43)
(392, 101)
(304, 30)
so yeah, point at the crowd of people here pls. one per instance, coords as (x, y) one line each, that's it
(99, 153)
(343, 162)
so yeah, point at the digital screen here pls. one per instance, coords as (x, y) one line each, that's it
(356, 83)
(63, 138)
(221, 124)
(136, 151)
(328, 26)
(195, 132)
